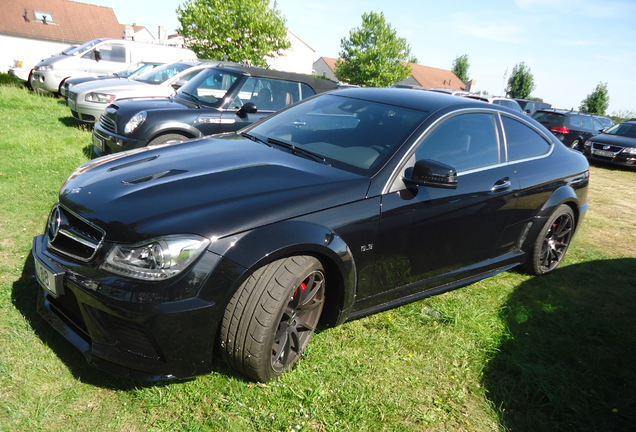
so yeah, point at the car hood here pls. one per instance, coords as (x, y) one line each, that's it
(610, 139)
(212, 187)
(112, 85)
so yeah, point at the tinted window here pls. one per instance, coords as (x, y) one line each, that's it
(523, 141)
(549, 118)
(209, 86)
(464, 142)
(587, 123)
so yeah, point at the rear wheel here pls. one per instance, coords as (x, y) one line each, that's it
(575, 144)
(272, 316)
(552, 242)
(168, 138)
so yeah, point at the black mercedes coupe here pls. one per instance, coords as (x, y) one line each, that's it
(160, 261)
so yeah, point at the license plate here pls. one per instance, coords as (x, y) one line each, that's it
(603, 153)
(98, 143)
(49, 279)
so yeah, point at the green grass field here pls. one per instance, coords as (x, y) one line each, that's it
(512, 353)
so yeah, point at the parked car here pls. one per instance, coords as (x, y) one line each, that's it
(531, 106)
(131, 72)
(507, 102)
(571, 127)
(605, 121)
(99, 57)
(450, 91)
(220, 99)
(348, 203)
(88, 101)
(616, 145)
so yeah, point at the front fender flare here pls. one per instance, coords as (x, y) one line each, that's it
(255, 248)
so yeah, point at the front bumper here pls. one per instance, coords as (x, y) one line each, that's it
(615, 158)
(145, 340)
(105, 143)
(88, 113)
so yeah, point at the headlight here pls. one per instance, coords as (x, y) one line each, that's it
(156, 259)
(134, 122)
(587, 144)
(103, 98)
(46, 67)
(630, 150)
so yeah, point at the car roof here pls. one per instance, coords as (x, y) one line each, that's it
(414, 99)
(318, 84)
(562, 111)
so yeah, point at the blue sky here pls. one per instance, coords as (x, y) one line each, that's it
(570, 46)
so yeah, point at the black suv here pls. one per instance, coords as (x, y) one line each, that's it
(222, 98)
(571, 127)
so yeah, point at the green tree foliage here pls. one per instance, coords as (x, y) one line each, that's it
(244, 31)
(374, 55)
(521, 82)
(460, 68)
(596, 102)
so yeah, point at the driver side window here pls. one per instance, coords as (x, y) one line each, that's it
(464, 142)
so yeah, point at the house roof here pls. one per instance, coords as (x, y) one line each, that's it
(427, 77)
(72, 22)
(430, 77)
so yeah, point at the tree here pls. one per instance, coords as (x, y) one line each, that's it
(596, 102)
(246, 31)
(460, 68)
(521, 82)
(374, 55)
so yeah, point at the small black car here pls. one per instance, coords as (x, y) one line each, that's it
(346, 204)
(219, 99)
(570, 127)
(617, 145)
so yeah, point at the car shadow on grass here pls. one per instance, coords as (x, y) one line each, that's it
(569, 361)
(24, 298)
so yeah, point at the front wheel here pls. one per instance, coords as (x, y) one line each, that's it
(272, 316)
(167, 139)
(552, 242)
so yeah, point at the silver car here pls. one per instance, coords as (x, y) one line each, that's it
(87, 101)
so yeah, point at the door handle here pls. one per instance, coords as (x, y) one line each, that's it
(501, 185)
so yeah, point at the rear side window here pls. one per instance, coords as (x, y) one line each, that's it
(523, 142)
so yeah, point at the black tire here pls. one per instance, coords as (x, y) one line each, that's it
(168, 138)
(575, 144)
(552, 242)
(272, 316)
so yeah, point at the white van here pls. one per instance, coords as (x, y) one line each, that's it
(100, 57)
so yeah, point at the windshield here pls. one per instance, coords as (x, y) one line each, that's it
(352, 134)
(77, 50)
(623, 129)
(209, 86)
(162, 73)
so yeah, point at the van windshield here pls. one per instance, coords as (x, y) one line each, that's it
(83, 48)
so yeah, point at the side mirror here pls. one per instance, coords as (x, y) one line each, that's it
(247, 108)
(98, 55)
(431, 173)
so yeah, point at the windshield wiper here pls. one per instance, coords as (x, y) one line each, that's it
(194, 97)
(255, 139)
(299, 151)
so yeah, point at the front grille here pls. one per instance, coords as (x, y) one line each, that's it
(108, 124)
(72, 236)
(612, 148)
